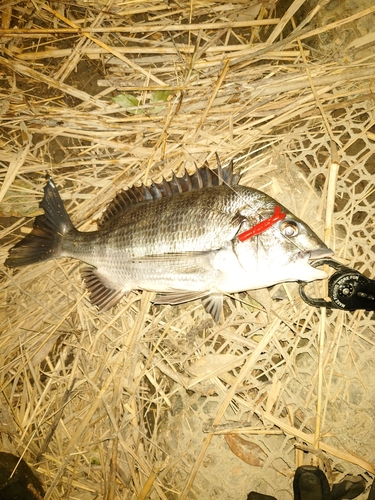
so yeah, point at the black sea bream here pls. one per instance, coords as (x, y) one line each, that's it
(178, 238)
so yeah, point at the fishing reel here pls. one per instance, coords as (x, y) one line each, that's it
(348, 289)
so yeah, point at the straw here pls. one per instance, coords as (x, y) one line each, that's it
(133, 402)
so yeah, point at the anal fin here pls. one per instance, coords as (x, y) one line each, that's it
(100, 295)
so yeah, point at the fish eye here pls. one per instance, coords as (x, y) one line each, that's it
(289, 228)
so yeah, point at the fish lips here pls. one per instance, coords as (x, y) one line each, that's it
(319, 253)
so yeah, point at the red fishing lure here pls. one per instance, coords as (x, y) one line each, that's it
(263, 225)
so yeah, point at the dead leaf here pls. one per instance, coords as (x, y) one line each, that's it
(247, 451)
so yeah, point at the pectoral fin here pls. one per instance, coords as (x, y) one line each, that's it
(100, 294)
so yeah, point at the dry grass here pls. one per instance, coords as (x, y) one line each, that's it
(92, 401)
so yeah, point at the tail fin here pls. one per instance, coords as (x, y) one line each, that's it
(44, 241)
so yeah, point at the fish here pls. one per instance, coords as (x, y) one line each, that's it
(201, 235)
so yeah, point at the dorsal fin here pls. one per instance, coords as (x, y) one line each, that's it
(203, 177)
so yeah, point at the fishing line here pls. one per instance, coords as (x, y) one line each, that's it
(177, 105)
(262, 225)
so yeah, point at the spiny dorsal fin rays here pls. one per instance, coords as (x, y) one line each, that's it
(203, 177)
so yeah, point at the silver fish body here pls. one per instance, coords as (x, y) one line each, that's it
(180, 239)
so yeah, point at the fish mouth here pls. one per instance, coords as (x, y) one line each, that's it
(320, 253)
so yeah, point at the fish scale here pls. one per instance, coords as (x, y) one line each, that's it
(178, 238)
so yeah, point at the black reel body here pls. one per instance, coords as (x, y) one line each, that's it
(348, 289)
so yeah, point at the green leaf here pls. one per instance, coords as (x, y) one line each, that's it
(128, 101)
(158, 96)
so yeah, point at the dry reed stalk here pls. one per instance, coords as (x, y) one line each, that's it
(96, 52)
(140, 29)
(290, 12)
(330, 205)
